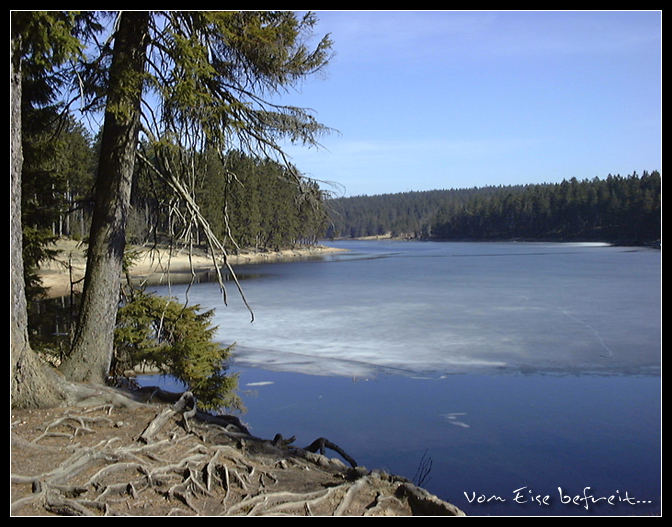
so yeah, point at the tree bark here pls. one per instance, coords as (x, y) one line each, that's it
(33, 382)
(91, 354)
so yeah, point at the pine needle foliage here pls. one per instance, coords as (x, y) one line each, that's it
(178, 340)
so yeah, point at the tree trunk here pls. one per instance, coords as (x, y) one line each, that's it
(33, 383)
(89, 360)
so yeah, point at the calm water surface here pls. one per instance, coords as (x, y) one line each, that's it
(522, 370)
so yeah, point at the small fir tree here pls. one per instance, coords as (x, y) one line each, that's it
(177, 340)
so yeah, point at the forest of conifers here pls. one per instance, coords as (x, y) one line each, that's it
(615, 209)
(265, 208)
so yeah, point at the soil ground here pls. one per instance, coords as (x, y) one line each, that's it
(95, 461)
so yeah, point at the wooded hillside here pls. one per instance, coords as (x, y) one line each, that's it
(615, 209)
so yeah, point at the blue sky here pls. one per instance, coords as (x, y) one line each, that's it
(452, 99)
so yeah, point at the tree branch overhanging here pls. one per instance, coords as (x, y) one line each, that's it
(214, 244)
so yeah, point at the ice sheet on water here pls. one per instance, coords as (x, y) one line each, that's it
(541, 307)
(555, 341)
(452, 418)
(360, 341)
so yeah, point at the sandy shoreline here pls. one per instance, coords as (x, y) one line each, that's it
(155, 266)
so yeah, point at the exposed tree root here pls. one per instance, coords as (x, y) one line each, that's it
(165, 461)
(322, 443)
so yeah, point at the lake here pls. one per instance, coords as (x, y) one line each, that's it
(527, 374)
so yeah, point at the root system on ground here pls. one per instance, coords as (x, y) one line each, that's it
(167, 459)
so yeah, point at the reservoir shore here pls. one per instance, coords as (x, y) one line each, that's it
(158, 265)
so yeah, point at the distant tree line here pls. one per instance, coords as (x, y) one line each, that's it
(400, 214)
(617, 209)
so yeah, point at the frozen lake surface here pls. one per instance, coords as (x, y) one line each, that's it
(532, 366)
